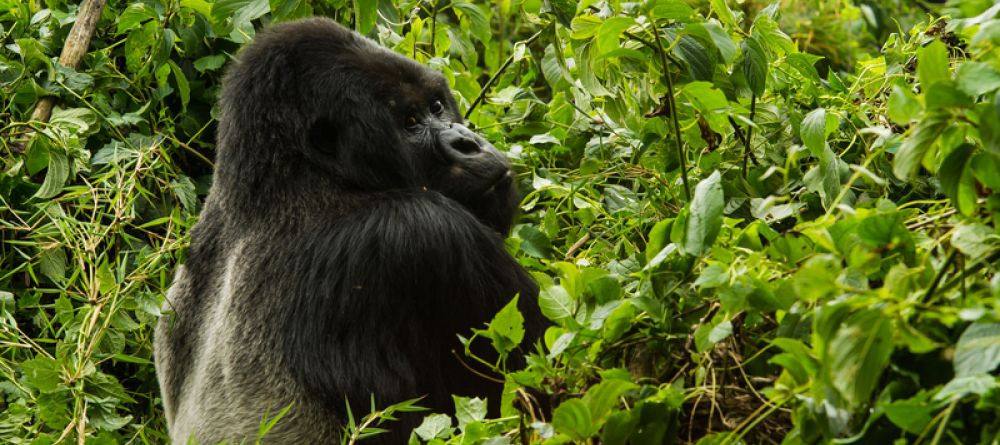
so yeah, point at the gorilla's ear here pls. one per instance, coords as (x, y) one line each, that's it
(323, 135)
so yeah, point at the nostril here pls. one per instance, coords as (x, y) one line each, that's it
(465, 145)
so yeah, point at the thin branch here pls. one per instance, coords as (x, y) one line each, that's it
(496, 75)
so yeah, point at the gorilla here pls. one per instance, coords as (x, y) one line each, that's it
(354, 226)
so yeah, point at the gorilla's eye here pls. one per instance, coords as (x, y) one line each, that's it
(437, 108)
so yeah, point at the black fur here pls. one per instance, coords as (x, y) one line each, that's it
(341, 249)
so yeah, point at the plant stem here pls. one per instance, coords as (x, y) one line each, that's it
(672, 103)
(749, 136)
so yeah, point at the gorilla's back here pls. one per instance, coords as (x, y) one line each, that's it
(217, 362)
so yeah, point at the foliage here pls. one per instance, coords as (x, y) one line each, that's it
(752, 223)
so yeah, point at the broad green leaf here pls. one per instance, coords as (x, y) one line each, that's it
(986, 169)
(856, 354)
(182, 84)
(932, 64)
(903, 106)
(945, 94)
(42, 373)
(722, 40)
(706, 215)
(134, 15)
(239, 11)
(618, 428)
(563, 10)
(282, 10)
(479, 21)
(989, 125)
(365, 14)
(978, 349)
(555, 303)
(953, 174)
(755, 64)
(434, 426)
(56, 175)
(573, 419)
(721, 9)
(507, 328)
(469, 409)
(209, 63)
(977, 78)
(677, 10)
(585, 27)
(611, 30)
(805, 64)
(912, 415)
(534, 242)
(603, 397)
(959, 387)
(695, 55)
(911, 153)
(813, 132)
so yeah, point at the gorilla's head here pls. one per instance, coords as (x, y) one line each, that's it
(312, 108)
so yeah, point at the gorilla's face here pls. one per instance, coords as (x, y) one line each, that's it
(385, 122)
(323, 110)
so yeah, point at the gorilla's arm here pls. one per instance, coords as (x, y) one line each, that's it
(382, 294)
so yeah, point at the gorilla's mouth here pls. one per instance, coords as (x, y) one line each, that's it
(501, 181)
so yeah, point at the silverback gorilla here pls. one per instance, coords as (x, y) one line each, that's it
(353, 228)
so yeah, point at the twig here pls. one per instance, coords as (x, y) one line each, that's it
(496, 75)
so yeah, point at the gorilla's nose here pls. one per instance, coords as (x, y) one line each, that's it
(457, 139)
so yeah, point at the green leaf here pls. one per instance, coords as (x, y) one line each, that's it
(978, 349)
(611, 30)
(282, 10)
(813, 132)
(912, 415)
(563, 10)
(721, 9)
(365, 13)
(479, 22)
(603, 397)
(507, 328)
(534, 242)
(705, 220)
(677, 10)
(585, 27)
(468, 410)
(977, 78)
(903, 106)
(986, 169)
(434, 426)
(42, 373)
(856, 353)
(56, 175)
(959, 387)
(182, 84)
(555, 303)
(805, 64)
(573, 419)
(209, 63)
(695, 55)
(945, 94)
(722, 40)
(239, 11)
(133, 16)
(932, 64)
(953, 174)
(755, 66)
(911, 153)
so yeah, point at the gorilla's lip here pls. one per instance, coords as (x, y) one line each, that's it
(502, 180)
